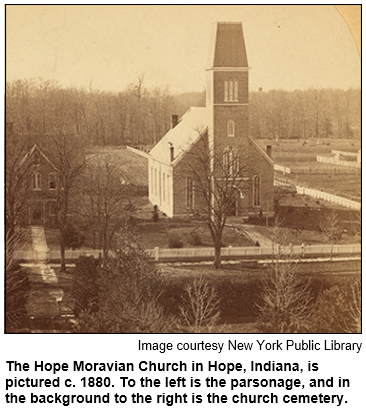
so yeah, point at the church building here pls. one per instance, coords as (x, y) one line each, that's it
(209, 149)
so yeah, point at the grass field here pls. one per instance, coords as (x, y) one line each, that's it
(293, 154)
(289, 152)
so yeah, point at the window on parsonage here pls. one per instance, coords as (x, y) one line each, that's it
(36, 181)
(231, 91)
(231, 128)
(52, 181)
(256, 191)
(189, 193)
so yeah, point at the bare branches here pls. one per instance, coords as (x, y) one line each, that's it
(331, 229)
(201, 306)
(17, 176)
(104, 200)
(285, 296)
(219, 176)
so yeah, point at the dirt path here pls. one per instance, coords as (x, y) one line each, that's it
(41, 255)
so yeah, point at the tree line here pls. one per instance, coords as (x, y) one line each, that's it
(302, 114)
(135, 116)
(139, 116)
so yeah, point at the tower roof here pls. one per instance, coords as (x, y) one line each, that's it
(229, 47)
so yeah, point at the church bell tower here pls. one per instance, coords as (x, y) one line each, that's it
(227, 87)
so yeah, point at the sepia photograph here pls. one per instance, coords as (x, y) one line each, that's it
(182, 169)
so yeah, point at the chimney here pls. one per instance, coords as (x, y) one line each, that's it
(173, 121)
(269, 151)
(171, 152)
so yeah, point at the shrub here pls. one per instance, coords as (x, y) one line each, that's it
(129, 287)
(285, 300)
(194, 238)
(155, 215)
(338, 309)
(201, 306)
(74, 238)
(85, 284)
(175, 242)
(17, 291)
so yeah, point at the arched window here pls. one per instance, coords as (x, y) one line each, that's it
(231, 128)
(256, 191)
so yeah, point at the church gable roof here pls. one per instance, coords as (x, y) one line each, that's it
(260, 151)
(186, 133)
(229, 46)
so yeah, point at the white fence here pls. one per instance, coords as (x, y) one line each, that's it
(335, 161)
(244, 252)
(318, 194)
(308, 170)
(197, 254)
(283, 169)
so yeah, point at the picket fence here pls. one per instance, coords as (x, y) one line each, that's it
(335, 161)
(318, 194)
(351, 170)
(197, 254)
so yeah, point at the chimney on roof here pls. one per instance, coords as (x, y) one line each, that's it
(269, 151)
(173, 121)
(171, 152)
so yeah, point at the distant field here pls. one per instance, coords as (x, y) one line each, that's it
(131, 166)
(339, 184)
(292, 153)
(288, 152)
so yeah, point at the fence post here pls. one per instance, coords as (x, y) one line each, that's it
(156, 253)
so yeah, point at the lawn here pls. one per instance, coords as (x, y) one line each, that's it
(338, 184)
(191, 233)
(300, 218)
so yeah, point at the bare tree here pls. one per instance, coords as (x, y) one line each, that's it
(67, 154)
(16, 283)
(18, 170)
(104, 198)
(218, 176)
(285, 305)
(201, 306)
(331, 229)
(355, 306)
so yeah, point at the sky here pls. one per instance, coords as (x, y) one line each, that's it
(109, 47)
